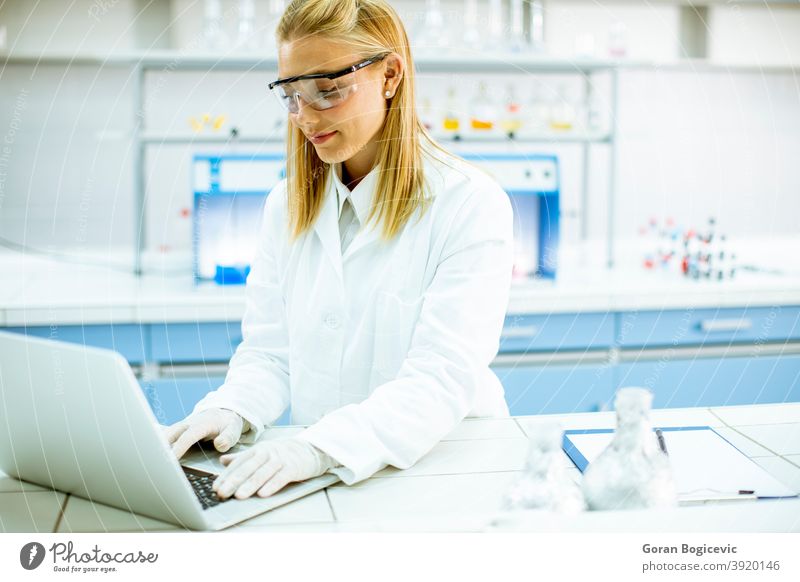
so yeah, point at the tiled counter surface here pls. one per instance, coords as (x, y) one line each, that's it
(458, 486)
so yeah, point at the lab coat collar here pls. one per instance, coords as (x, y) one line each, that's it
(327, 223)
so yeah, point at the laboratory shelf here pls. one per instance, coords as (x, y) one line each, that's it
(526, 137)
(181, 60)
(465, 138)
(221, 138)
(463, 61)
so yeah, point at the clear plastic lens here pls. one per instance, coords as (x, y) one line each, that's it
(319, 94)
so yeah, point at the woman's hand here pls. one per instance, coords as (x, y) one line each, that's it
(224, 426)
(268, 466)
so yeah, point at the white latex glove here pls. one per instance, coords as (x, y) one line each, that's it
(224, 426)
(268, 466)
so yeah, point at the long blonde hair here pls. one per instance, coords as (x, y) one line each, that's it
(371, 27)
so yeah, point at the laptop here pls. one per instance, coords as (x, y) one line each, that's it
(74, 418)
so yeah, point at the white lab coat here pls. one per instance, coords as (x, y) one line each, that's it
(384, 350)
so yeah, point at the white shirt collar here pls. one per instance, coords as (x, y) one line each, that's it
(361, 196)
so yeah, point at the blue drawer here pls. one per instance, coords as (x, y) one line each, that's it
(130, 340)
(563, 331)
(554, 389)
(715, 381)
(173, 399)
(195, 342)
(708, 326)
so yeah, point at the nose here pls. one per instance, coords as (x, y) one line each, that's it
(305, 115)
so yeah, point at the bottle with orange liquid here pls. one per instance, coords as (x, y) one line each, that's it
(482, 110)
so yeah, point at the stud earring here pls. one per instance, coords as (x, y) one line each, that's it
(387, 94)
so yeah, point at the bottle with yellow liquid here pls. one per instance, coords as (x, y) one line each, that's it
(563, 112)
(451, 123)
(482, 110)
(511, 120)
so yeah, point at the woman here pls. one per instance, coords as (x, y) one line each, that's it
(377, 297)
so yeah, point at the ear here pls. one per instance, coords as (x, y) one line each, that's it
(393, 71)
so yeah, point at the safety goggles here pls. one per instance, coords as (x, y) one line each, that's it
(320, 90)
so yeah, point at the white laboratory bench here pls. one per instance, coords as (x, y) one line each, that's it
(458, 486)
(40, 290)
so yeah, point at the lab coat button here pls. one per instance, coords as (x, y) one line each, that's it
(332, 321)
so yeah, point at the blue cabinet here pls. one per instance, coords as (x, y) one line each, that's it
(552, 389)
(195, 342)
(680, 327)
(130, 340)
(710, 379)
(561, 331)
(715, 381)
(171, 399)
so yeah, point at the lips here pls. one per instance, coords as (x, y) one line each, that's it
(321, 137)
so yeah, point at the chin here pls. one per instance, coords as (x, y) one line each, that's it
(331, 155)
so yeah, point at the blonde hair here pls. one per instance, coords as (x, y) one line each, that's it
(371, 27)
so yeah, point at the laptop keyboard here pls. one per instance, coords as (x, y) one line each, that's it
(201, 483)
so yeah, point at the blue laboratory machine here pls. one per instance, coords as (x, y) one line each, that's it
(229, 194)
(532, 182)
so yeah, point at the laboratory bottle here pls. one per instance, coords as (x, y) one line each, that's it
(545, 483)
(433, 36)
(247, 39)
(214, 34)
(472, 39)
(538, 110)
(496, 26)
(516, 38)
(451, 121)
(595, 111)
(632, 471)
(511, 120)
(274, 13)
(426, 114)
(617, 41)
(536, 26)
(562, 115)
(482, 114)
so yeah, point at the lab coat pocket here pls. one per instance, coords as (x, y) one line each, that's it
(396, 319)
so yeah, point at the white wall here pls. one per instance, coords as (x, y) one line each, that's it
(65, 151)
(695, 145)
(75, 26)
(761, 35)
